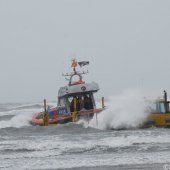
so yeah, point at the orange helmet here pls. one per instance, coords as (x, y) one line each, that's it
(74, 63)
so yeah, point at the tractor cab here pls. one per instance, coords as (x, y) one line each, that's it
(160, 106)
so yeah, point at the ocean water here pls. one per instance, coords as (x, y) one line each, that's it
(77, 146)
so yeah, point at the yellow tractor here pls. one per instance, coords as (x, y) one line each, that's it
(160, 113)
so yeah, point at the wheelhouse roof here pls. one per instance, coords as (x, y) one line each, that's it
(80, 88)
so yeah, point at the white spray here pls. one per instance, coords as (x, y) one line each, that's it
(127, 110)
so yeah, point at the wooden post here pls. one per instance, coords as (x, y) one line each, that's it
(96, 119)
(45, 117)
(74, 114)
(103, 103)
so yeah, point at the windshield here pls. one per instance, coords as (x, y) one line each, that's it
(162, 107)
(84, 101)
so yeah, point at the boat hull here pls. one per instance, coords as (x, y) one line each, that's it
(55, 118)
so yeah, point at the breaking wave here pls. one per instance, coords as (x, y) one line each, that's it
(19, 115)
(17, 121)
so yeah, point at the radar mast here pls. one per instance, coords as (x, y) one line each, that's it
(74, 65)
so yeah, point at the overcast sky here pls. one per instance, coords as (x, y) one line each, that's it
(126, 41)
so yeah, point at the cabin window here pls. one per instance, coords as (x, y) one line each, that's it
(70, 99)
(62, 102)
(161, 107)
(83, 102)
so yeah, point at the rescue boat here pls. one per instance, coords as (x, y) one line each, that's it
(159, 113)
(75, 100)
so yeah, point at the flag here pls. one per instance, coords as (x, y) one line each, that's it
(83, 63)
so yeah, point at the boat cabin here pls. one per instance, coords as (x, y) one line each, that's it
(83, 93)
(78, 90)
